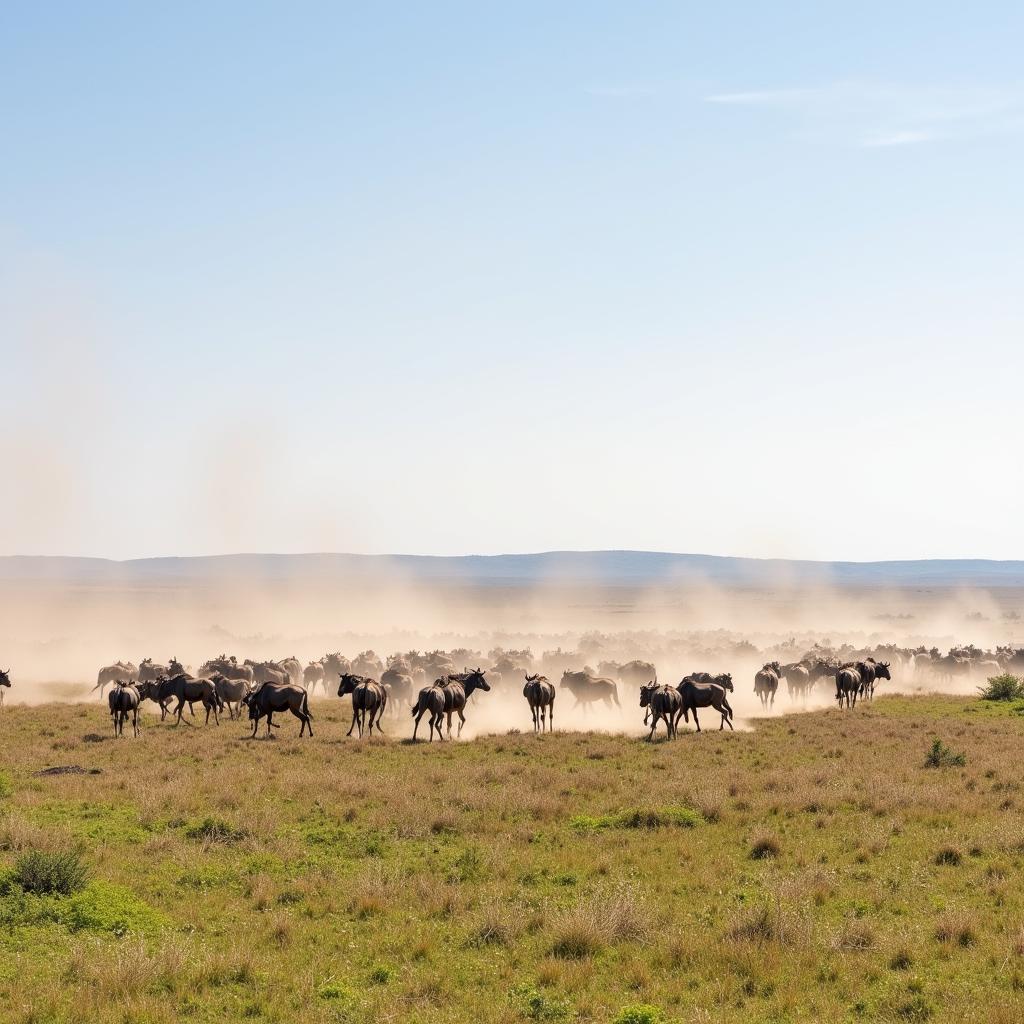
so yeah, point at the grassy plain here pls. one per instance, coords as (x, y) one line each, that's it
(814, 868)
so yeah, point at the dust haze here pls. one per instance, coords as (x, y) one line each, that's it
(55, 634)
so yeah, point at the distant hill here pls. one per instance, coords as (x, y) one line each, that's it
(605, 568)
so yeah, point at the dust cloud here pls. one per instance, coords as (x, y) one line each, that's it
(55, 633)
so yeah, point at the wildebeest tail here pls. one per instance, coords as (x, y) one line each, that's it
(305, 706)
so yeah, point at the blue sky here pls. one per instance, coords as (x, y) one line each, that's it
(736, 278)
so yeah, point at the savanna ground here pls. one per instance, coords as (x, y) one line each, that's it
(813, 868)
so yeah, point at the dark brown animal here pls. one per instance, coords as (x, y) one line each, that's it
(5, 683)
(271, 698)
(430, 699)
(766, 682)
(312, 675)
(848, 684)
(123, 701)
(540, 695)
(665, 704)
(695, 695)
(231, 693)
(188, 689)
(398, 682)
(458, 689)
(368, 698)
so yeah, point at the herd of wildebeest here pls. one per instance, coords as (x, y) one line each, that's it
(428, 684)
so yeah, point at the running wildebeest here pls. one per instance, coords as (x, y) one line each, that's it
(870, 672)
(664, 703)
(231, 693)
(120, 670)
(187, 689)
(430, 699)
(399, 686)
(458, 688)
(123, 701)
(5, 682)
(798, 680)
(704, 695)
(150, 690)
(723, 679)
(274, 697)
(586, 689)
(766, 682)
(313, 674)
(368, 697)
(848, 684)
(540, 695)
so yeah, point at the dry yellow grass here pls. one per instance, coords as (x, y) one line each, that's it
(827, 874)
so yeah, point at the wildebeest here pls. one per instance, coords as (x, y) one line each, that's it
(695, 695)
(120, 670)
(150, 690)
(368, 697)
(268, 672)
(313, 674)
(430, 699)
(227, 667)
(798, 680)
(293, 667)
(399, 685)
(664, 703)
(231, 693)
(586, 689)
(848, 684)
(123, 701)
(870, 672)
(367, 664)
(187, 689)
(636, 673)
(5, 682)
(766, 682)
(335, 664)
(150, 671)
(458, 688)
(274, 697)
(540, 695)
(723, 679)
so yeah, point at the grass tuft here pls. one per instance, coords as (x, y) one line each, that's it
(941, 756)
(50, 872)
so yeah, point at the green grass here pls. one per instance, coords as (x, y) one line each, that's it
(816, 868)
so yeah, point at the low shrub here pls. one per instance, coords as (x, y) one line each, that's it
(1003, 687)
(941, 756)
(49, 872)
(102, 907)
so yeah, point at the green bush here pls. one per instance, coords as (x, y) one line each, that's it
(639, 1014)
(1004, 687)
(940, 756)
(537, 1005)
(48, 873)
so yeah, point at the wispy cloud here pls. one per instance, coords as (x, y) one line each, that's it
(872, 115)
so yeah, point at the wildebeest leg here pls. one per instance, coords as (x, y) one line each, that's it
(180, 707)
(462, 720)
(353, 723)
(696, 720)
(270, 721)
(135, 721)
(416, 723)
(551, 716)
